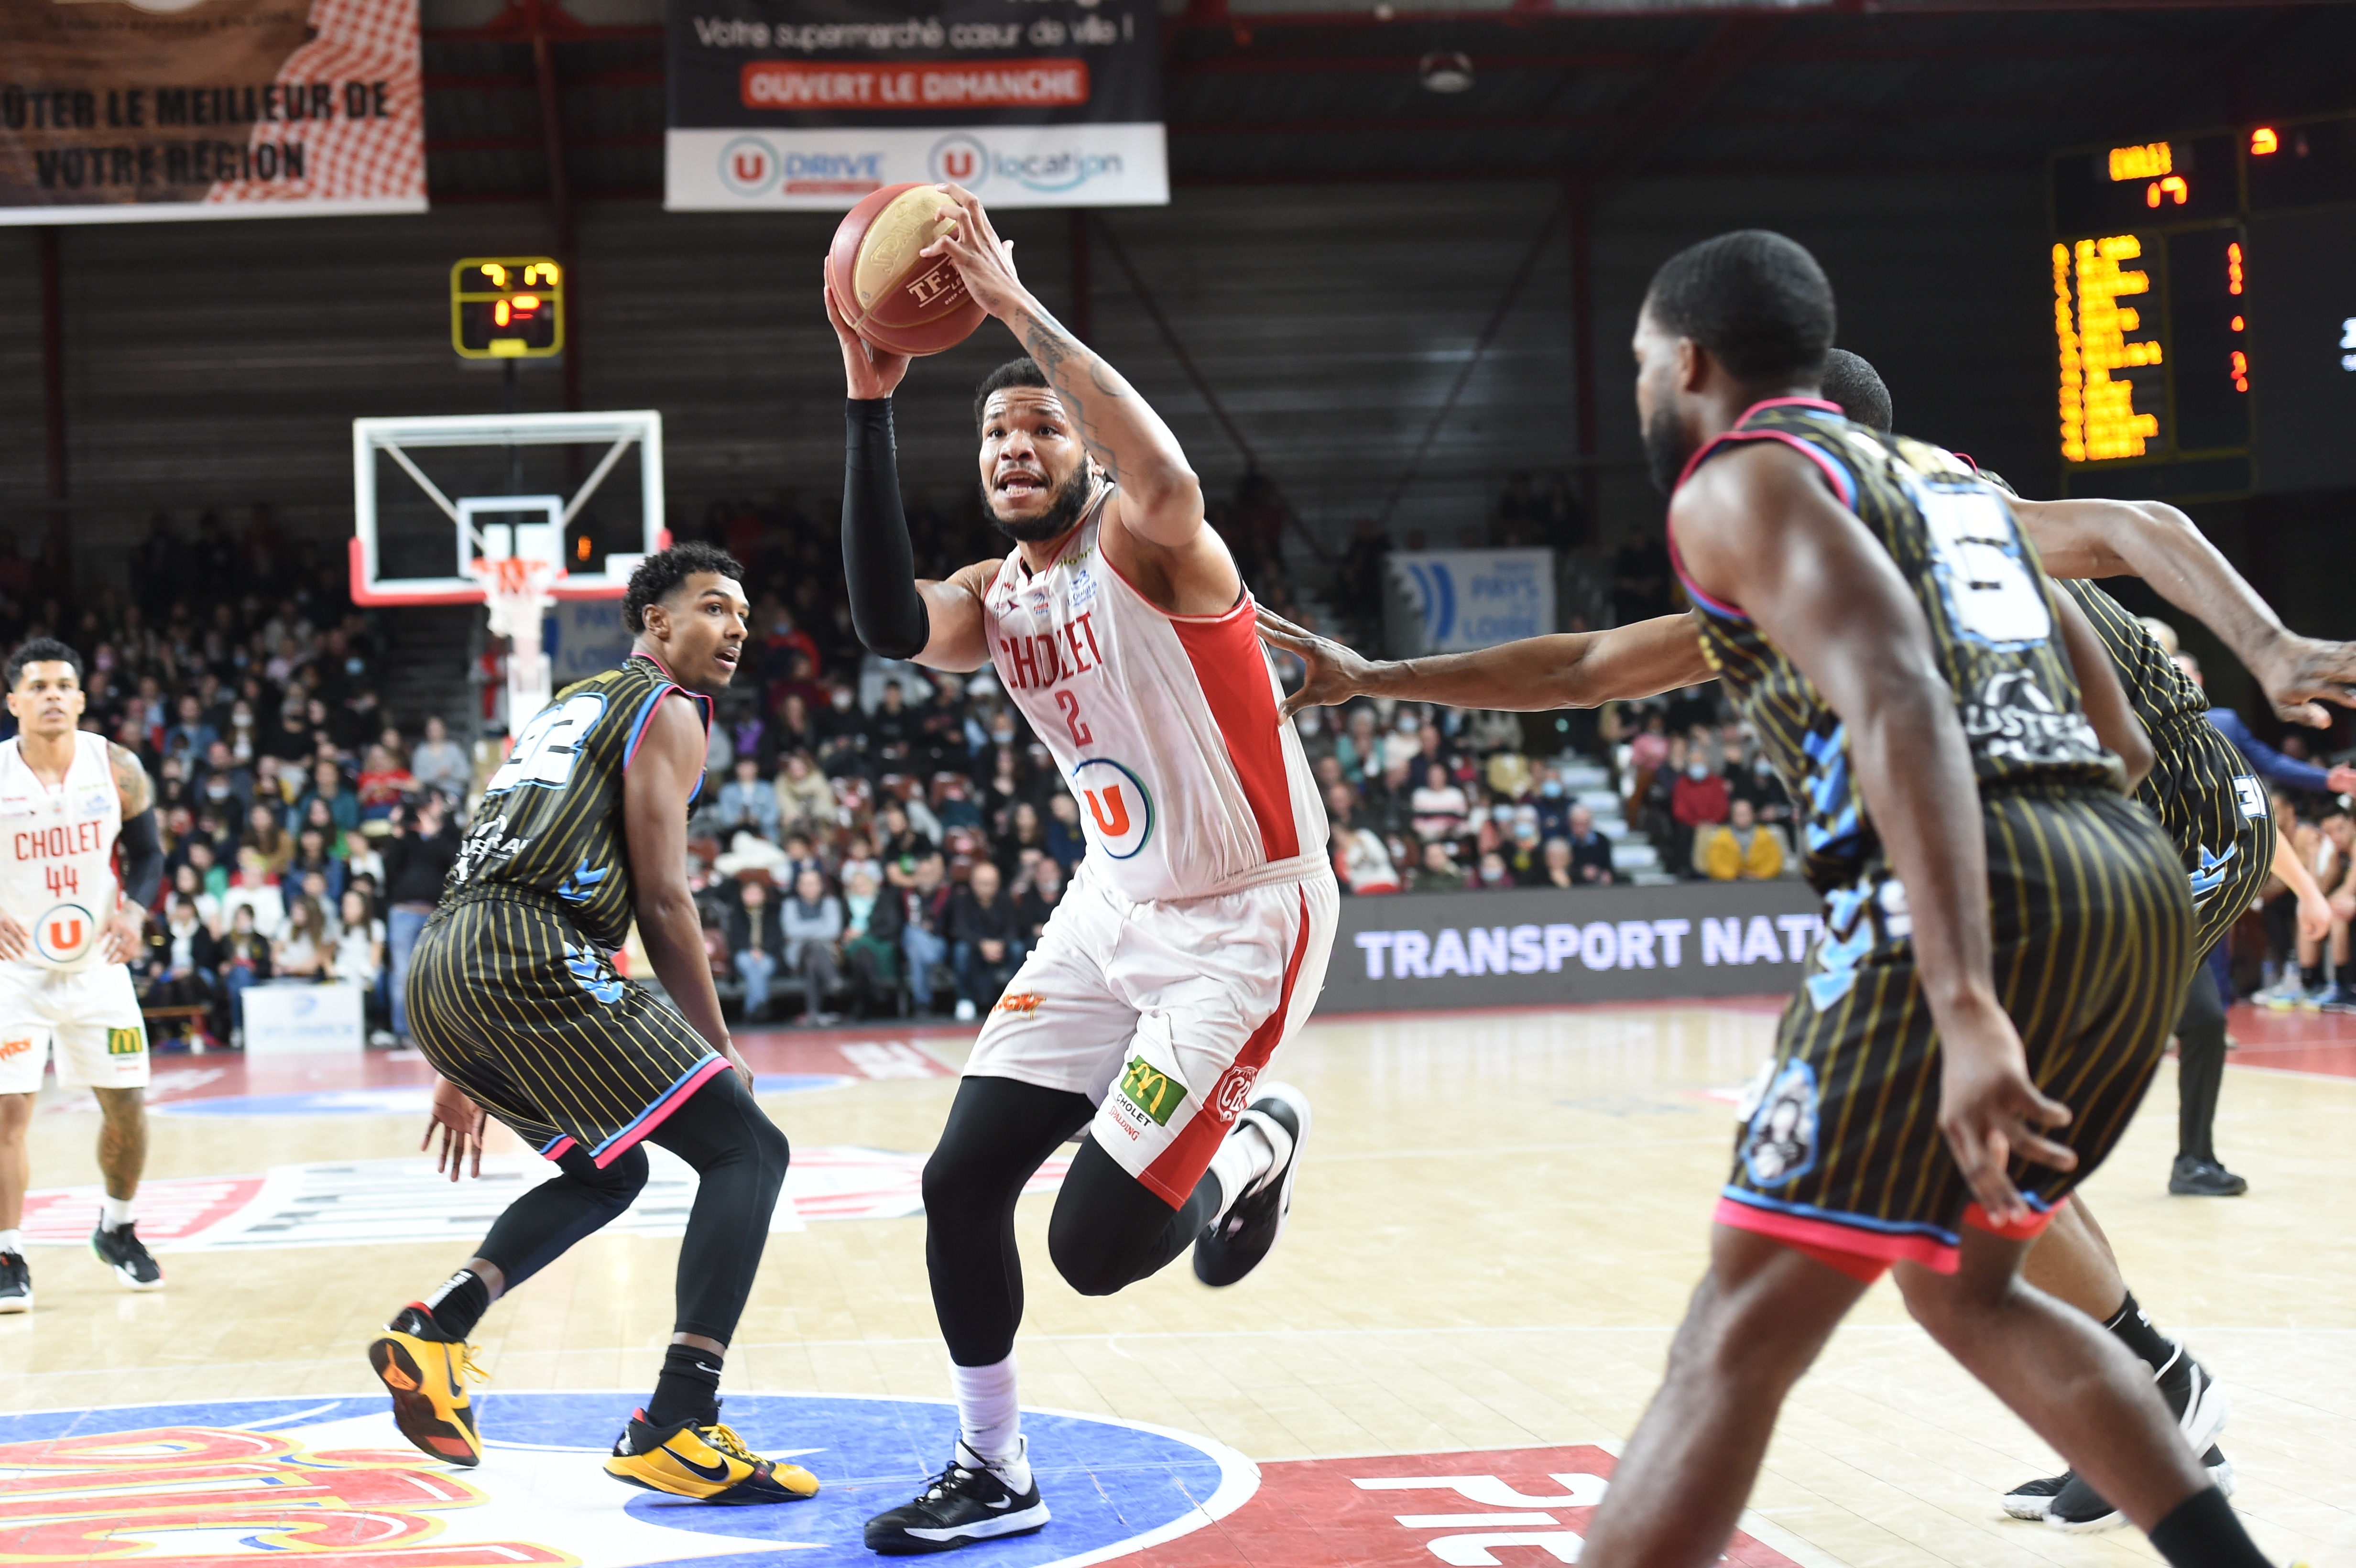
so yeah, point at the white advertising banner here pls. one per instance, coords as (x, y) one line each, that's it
(1451, 600)
(829, 168)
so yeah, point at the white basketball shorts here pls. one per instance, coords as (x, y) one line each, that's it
(89, 1016)
(1163, 1013)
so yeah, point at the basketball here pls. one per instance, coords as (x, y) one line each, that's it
(899, 301)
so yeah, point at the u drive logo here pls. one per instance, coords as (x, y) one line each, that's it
(65, 933)
(1119, 808)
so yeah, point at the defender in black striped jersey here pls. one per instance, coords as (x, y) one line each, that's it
(514, 997)
(1923, 696)
(2197, 788)
(1997, 920)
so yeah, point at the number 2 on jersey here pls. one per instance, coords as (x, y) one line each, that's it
(1978, 553)
(1081, 736)
(549, 746)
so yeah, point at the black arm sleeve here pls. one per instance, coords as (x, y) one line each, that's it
(877, 560)
(143, 859)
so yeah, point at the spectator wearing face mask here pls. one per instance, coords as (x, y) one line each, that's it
(1405, 739)
(1359, 748)
(1699, 799)
(1316, 736)
(1525, 851)
(843, 743)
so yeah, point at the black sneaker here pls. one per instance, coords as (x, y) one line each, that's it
(965, 1503)
(2203, 1179)
(2199, 1407)
(2031, 1500)
(15, 1282)
(121, 1250)
(1232, 1247)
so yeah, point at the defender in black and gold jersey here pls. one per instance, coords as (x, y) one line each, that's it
(1989, 1002)
(2198, 788)
(514, 998)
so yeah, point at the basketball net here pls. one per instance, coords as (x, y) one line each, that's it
(518, 593)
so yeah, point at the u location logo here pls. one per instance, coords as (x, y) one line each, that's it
(749, 165)
(1120, 811)
(961, 160)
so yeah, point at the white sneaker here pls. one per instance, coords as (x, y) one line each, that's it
(965, 1014)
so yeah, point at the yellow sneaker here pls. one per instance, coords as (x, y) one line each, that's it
(704, 1461)
(425, 1371)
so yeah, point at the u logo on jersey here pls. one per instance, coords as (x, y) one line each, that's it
(1116, 804)
(65, 933)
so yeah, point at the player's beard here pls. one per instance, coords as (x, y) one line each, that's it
(1665, 448)
(1071, 497)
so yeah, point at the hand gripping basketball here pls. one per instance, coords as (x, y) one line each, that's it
(869, 372)
(985, 261)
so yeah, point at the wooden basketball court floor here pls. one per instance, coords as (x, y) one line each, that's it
(1497, 1226)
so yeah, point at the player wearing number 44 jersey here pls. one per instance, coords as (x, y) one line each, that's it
(514, 998)
(1193, 941)
(68, 928)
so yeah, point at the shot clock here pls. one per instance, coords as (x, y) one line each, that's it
(507, 307)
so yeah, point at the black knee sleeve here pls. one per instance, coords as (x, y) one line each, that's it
(999, 1133)
(538, 1227)
(1109, 1229)
(740, 1158)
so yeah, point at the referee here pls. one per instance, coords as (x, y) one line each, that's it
(512, 994)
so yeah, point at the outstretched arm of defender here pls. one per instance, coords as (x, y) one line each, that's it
(1756, 528)
(1162, 499)
(2159, 544)
(1571, 669)
(656, 789)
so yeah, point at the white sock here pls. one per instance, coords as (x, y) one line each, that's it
(989, 1419)
(1244, 1155)
(12, 1241)
(114, 1213)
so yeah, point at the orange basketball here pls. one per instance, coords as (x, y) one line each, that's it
(897, 300)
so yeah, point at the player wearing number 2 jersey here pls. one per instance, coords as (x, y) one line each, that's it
(514, 998)
(68, 928)
(1191, 942)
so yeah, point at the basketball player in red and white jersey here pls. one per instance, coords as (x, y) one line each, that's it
(1193, 941)
(68, 931)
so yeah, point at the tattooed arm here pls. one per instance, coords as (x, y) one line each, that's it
(1159, 505)
(142, 855)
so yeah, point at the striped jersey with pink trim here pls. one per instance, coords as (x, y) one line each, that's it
(1164, 727)
(1989, 602)
(551, 821)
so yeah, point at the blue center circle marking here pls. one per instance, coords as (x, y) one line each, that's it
(541, 1495)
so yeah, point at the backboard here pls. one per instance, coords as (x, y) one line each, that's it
(498, 487)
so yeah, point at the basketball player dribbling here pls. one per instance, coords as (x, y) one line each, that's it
(1193, 941)
(68, 931)
(2199, 789)
(514, 998)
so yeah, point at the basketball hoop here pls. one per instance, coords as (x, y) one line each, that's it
(520, 591)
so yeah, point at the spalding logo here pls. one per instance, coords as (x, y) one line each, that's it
(65, 933)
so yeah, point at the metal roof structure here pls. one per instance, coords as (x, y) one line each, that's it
(562, 99)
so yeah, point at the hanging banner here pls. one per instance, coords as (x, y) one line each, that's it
(778, 104)
(131, 112)
(1451, 601)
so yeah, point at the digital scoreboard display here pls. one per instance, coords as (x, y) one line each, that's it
(2195, 282)
(507, 307)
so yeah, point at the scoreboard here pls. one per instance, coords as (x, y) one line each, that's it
(2204, 312)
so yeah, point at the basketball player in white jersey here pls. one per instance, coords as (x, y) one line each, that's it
(1190, 944)
(68, 931)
